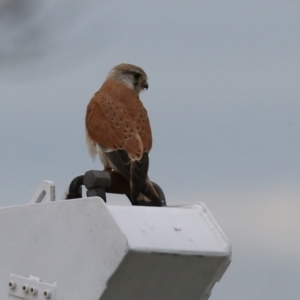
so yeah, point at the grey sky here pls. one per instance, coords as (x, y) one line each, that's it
(223, 101)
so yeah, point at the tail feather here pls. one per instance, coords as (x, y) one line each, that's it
(135, 172)
(138, 172)
(150, 192)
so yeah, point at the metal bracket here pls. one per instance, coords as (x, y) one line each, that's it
(98, 183)
(31, 288)
(45, 193)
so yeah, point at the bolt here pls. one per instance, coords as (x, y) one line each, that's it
(47, 294)
(25, 288)
(12, 285)
(33, 290)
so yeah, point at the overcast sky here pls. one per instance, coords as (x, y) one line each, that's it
(223, 101)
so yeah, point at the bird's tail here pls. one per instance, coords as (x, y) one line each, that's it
(140, 183)
(138, 171)
(151, 194)
(135, 172)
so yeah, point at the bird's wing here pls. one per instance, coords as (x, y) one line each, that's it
(117, 120)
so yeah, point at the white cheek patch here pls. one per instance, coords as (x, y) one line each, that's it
(127, 80)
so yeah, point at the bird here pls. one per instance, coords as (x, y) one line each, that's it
(118, 130)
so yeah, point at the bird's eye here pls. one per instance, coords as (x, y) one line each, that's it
(137, 75)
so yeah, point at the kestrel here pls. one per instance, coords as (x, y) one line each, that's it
(118, 130)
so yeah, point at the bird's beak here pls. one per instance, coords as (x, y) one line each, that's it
(145, 85)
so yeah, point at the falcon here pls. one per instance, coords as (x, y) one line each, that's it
(118, 130)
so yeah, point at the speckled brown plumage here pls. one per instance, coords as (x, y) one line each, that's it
(118, 129)
(117, 120)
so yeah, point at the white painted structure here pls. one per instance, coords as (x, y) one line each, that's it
(84, 249)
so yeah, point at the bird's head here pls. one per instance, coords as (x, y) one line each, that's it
(132, 76)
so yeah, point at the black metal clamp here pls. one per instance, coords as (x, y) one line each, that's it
(98, 183)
